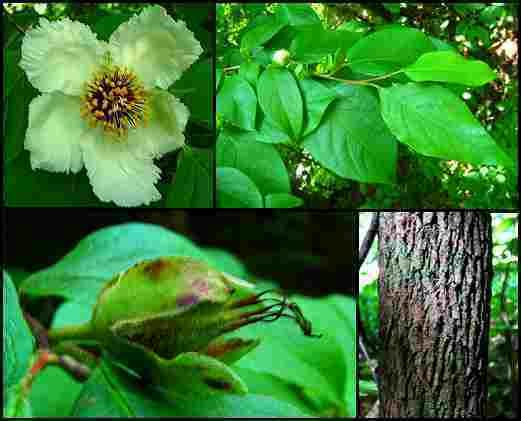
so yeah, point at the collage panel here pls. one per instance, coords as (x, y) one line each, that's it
(438, 314)
(108, 104)
(179, 313)
(387, 127)
(367, 106)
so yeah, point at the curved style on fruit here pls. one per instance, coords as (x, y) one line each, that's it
(164, 319)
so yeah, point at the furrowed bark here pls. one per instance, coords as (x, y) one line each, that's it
(434, 291)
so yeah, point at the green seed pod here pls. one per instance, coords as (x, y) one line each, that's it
(164, 318)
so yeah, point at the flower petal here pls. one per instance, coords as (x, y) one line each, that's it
(54, 132)
(164, 131)
(117, 173)
(60, 55)
(155, 46)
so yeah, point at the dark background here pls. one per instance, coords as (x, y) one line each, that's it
(307, 252)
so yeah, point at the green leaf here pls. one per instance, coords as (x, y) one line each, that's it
(225, 262)
(354, 26)
(111, 392)
(353, 140)
(236, 190)
(313, 43)
(196, 91)
(250, 71)
(265, 27)
(218, 78)
(441, 45)
(104, 253)
(267, 133)
(105, 26)
(18, 345)
(270, 133)
(16, 116)
(317, 98)
(27, 187)
(318, 365)
(261, 162)
(435, 122)
(388, 50)
(296, 14)
(282, 200)
(237, 103)
(266, 384)
(193, 180)
(280, 99)
(13, 74)
(446, 66)
(53, 393)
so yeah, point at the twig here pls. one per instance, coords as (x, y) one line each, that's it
(368, 240)
(46, 357)
(18, 27)
(362, 254)
(231, 68)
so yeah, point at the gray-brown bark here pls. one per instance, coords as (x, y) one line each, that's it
(434, 292)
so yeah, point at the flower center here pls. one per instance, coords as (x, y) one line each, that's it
(116, 99)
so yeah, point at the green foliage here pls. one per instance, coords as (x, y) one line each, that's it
(287, 374)
(18, 344)
(422, 144)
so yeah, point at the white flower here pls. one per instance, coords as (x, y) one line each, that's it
(104, 105)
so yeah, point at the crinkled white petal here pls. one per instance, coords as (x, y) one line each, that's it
(54, 132)
(155, 46)
(61, 55)
(117, 173)
(164, 131)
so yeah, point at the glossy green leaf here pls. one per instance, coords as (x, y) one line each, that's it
(250, 71)
(237, 102)
(446, 66)
(111, 392)
(281, 101)
(193, 181)
(388, 50)
(317, 98)
(312, 43)
(18, 345)
(282, 200)
(259, 161)
(269, 133)
(236, 190)
(297, 14)
(262, 31)
(435, 122)
(353, 140)
(104, 253)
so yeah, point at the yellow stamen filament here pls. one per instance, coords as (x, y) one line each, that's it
(116, 99)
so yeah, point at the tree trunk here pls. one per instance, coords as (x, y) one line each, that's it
(434, 291)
